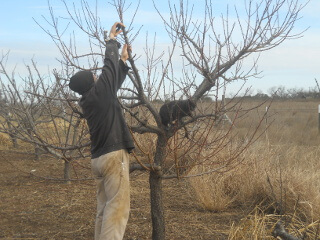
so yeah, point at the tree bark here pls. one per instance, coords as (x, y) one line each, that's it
(12, 135)
(37, 152)
(67, 171)
(155, 181)
(14, 141)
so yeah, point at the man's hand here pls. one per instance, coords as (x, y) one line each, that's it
(113, 32)
(124, 53)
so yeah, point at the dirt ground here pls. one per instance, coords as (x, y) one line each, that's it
(37, 208)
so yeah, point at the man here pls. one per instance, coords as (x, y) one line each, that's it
(111, 141)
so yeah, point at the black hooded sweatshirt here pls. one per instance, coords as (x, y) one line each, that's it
(101, 109)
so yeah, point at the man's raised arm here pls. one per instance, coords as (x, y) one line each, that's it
(123, 67)
(112, 45)
(110, 71)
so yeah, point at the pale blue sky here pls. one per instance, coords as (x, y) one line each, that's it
(293, 64)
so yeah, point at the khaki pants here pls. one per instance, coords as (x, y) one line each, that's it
(111, 171)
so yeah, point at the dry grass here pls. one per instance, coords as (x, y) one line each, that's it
(5, 142)
(281, 170)
(259, 225)
(291, 122)
(211, 191)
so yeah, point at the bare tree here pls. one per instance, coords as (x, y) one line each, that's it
(213, 52)
(39, 112)
(5, 114)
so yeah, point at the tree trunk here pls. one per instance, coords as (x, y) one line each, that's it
(155, 181)
(14, 141)
(67, 171)
(37, 153)
(12, 135)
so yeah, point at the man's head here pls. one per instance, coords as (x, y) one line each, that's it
(81, 82)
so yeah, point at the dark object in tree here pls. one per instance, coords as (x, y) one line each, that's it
(176, 110)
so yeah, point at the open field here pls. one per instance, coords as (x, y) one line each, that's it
(34, 208)
(281, 168)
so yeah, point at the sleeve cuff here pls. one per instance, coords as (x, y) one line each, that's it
(124, 66)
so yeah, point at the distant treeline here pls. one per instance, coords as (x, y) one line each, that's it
(282, 92)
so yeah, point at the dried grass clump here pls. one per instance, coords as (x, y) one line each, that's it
(259, 225)
(287, 176)
(4, 141)
(211, 192)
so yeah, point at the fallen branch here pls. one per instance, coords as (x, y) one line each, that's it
(145, 167)
(280, 232)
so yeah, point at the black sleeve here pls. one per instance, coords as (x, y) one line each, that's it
(123, 71)
(110, 72)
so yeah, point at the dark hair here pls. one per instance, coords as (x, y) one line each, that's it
(81, 82)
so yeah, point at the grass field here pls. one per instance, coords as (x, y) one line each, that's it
(279, 178)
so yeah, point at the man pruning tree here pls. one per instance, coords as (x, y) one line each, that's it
(111, 141)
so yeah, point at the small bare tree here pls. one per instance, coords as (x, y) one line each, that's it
(5, 114)
(41, 113)
(213, 52)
